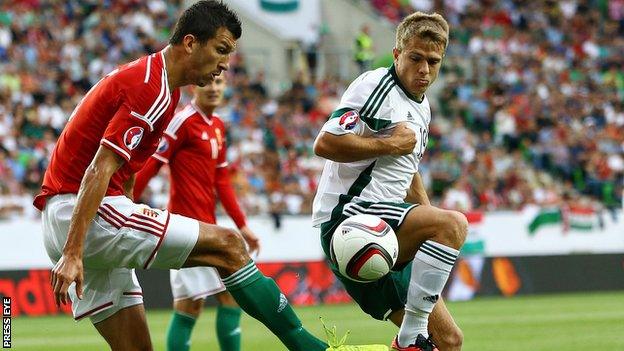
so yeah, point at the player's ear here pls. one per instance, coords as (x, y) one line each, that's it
(395, 53)
(188, 42)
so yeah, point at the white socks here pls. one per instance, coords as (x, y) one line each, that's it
(430, 271)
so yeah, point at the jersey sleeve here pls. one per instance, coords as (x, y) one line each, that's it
(130, 124)
(359, 108)
(124, 133)
(344, 121)
(223, 184)
(222, 145)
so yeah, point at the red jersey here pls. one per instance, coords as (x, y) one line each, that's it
(194, 147)
(126, 111)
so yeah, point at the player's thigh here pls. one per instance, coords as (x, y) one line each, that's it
(126, 329)
(105, 291)
(122, 234)
(422, 223)
(383, 297)
(218, 247)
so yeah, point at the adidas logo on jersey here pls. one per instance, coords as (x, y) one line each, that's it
(204, 136)
(409, 116)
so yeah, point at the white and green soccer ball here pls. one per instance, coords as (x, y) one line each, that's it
(364, 248)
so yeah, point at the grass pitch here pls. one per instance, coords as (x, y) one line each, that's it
(545, 322)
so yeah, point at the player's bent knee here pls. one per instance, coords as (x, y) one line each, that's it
(461, 226)
(235, 250)
(456, 228)
(218, 247)
(189, 306)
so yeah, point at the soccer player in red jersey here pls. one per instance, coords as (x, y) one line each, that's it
(194, 148)
(96, 235)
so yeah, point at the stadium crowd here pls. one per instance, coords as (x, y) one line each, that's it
(531, 108)
(532, 102)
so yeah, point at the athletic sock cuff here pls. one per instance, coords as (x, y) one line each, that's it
(437, 255)
(243, 277)
(184, 317)
(230, 310)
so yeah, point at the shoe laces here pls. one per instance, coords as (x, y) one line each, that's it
(426, 343)
(332, 335)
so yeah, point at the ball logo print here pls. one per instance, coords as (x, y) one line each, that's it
(364, 248)
(132, 137)
(349, 120)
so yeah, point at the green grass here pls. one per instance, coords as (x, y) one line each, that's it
(545, 322)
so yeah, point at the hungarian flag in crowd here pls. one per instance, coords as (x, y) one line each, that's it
(577, 217)
(581, 218)
(546, 216)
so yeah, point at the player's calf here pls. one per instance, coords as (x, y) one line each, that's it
(451, 341)
(439, 235)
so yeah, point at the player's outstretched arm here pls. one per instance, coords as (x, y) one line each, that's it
(227, 196)
(92, 190)
(351, 147)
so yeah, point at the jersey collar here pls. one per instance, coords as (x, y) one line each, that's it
(164, 63)
(207, 119)
(398, 83)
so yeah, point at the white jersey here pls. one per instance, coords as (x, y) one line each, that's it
(372, 105)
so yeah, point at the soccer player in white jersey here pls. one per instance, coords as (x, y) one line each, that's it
(374, 142)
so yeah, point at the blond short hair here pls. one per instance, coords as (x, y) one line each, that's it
(430, 27)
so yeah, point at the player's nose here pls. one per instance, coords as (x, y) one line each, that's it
(224, 66)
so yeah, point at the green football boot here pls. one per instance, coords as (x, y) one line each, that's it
(335, 345)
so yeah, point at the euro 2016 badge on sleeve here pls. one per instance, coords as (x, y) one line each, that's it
(132, 137)
(349, 119)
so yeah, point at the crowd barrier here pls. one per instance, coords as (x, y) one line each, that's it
(507, 253)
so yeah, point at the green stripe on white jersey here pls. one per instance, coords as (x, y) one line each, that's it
(372, 105)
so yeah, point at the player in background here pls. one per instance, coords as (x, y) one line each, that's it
(194, 147)
(374, 142)
(96, 235)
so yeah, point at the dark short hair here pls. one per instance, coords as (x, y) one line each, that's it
(203, 19)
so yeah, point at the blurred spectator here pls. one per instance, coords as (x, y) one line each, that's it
(364, 53)
(458, 197)
(532, 98)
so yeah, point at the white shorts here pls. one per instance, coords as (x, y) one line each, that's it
(122, 236)
(195, 283)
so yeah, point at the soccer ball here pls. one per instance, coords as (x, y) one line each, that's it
(364, 248)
